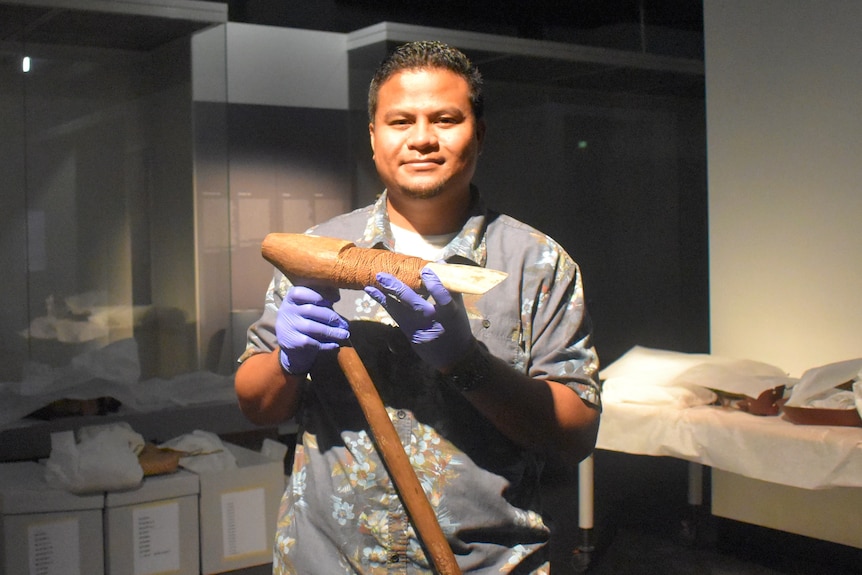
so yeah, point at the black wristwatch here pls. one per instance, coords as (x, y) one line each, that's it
(471, 372)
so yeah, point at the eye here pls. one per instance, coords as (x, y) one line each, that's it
(399, 123)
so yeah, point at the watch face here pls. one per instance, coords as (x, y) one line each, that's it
(470, 374)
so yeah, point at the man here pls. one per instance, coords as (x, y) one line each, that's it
(482, 390)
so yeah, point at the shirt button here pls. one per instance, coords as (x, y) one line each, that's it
(401, 414)
(393, 558)
(486, 323)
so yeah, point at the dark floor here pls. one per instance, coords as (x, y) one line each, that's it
(652, 550)
(728, 549)
(644, 526)
(636, 552)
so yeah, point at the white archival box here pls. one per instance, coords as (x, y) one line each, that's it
(238, 511)
(153, 529)
(46, 530)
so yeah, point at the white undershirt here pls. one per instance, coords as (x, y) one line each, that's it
(413, 244)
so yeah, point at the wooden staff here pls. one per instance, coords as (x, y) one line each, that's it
(314, 260)
(398, 463)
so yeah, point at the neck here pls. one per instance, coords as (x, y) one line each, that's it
(429, 216)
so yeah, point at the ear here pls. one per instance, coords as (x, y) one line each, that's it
(371, 136)
(480, 133)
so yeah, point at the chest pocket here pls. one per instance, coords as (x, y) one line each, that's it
(500, 330)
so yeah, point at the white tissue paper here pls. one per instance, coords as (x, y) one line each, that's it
(736, 376)
(105, 458)
(817, 386)
(110, 371)
(207, 452)
(662, 377)
(274, 450)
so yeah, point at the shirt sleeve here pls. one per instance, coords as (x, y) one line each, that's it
(559, 326)
(261, 334)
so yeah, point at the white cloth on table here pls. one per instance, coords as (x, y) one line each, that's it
(656, 402)
(765, 448)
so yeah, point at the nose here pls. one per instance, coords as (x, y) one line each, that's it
(422, 136)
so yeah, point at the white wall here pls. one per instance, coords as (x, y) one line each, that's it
(286, 67)
(271, 66)
(784, 132)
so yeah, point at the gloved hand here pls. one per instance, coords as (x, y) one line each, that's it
(439, 333)
(306, 324)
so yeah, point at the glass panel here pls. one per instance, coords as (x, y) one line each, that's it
(288, 171)
(107, 227)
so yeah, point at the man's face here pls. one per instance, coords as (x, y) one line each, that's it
(424, 136)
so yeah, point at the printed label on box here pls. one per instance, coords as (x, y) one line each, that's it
(156, 535)
(54, 548)
(243, 522)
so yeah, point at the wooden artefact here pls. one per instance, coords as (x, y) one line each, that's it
(319, 260)
(398, 463)
(315, 260)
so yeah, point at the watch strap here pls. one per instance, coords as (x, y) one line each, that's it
(471, 372)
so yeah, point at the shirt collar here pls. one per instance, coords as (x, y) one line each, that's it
(469, 243)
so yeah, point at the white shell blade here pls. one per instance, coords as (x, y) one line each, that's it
(467, 279)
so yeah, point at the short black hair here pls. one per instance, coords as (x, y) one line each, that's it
(427, 54)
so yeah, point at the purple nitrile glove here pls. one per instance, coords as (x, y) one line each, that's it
(307, 324)
(440, 332)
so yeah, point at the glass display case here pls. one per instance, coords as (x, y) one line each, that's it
(114, 206)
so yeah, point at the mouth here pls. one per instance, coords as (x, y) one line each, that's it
(423, 164)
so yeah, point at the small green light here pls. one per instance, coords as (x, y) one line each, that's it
(582, 145)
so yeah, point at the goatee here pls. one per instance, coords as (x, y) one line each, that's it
(423, 193)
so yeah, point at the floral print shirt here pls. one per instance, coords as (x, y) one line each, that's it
(340, 513)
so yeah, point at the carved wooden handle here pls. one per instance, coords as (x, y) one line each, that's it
(317, 260)
(396, 460)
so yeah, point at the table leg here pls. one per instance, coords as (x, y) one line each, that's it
(691, 524)
(586, 514)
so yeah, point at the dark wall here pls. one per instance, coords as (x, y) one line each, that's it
(621, 184)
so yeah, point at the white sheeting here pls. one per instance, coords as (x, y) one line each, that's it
(765, 448)
(662, 377)
(110, 371)
(653, 405)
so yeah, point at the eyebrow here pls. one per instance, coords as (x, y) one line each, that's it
(447, 111)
